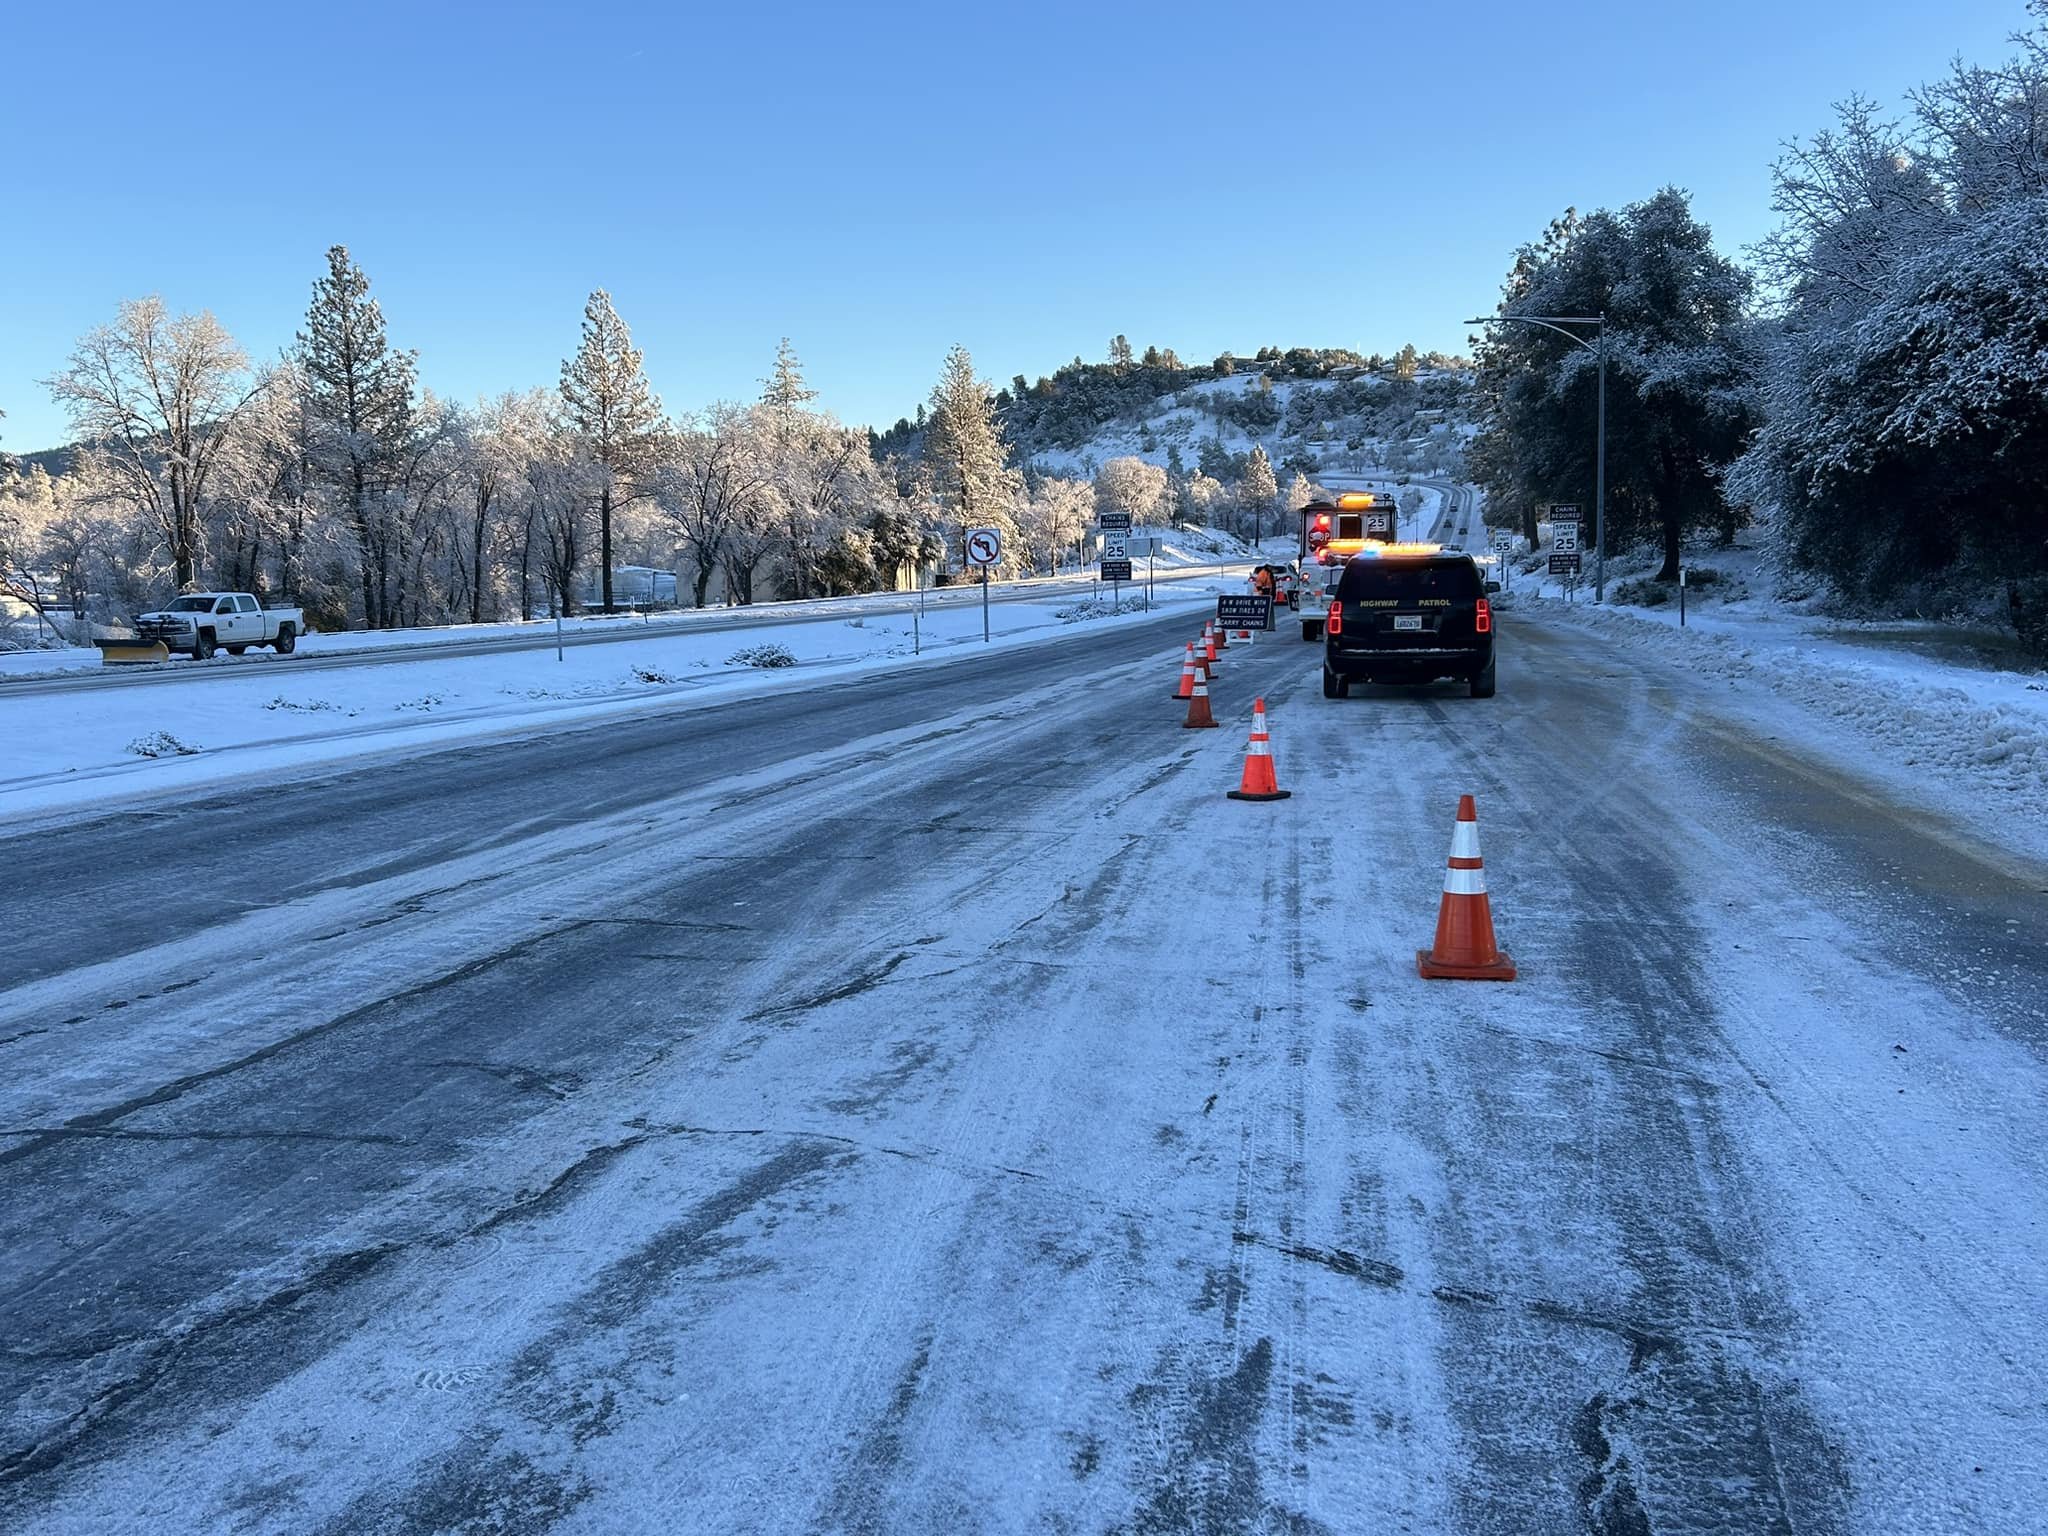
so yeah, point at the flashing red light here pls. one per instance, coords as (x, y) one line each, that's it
(1322, 520)
(1335, 621)
(1485, 620)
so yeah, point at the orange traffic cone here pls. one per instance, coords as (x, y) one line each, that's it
(1222, 638)
(1258, 782)
(1204, 662)
(1199, 718)
(1186, 690)
(1465, 949)
(1209, 642)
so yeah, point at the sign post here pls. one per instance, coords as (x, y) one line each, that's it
(1503, 546)
(1567, 566)
(1564, 547)
(985, 549)
(1681, 597)
(1115, 557)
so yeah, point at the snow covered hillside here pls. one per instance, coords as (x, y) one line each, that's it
(1318, 426)
(1312, 411)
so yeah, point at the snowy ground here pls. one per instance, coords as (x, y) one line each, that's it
(84, 745)
(1901, 704)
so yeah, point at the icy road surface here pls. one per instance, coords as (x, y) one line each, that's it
(923, 1103)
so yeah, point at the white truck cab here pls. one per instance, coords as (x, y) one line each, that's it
(199, 623)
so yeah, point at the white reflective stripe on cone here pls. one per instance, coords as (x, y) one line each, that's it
(1465, 840)
(1259, 748)
(1464, 882)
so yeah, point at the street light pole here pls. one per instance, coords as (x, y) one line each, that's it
(1598, 348)
(1600, 478)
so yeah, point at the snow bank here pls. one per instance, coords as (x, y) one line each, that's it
(87, 744)
(1220, 548)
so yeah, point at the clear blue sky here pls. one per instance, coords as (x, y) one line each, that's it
(878, 182)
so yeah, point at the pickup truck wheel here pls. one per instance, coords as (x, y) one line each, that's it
(287, 637)
(1333, 685)
(1482, 683)
(1311, 629)
(237, 650)
(202, 646)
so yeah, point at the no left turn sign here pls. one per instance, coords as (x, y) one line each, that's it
(985, 546)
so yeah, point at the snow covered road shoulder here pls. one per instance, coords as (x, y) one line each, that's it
(80, 747)
(1968, 742)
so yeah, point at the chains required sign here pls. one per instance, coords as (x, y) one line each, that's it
(1564, 529)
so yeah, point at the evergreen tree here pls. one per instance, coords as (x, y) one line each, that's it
(785, 389)
(1679, 400)
(1119, 353)
(1258, 490)
(607, 401)
(360, 397)
(964, 447)
(1405, 361)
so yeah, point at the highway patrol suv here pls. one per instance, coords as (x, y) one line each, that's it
(1409, 613)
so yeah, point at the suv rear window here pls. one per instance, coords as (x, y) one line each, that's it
(1410, 581)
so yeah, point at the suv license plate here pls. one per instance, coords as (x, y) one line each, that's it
(1407, 621)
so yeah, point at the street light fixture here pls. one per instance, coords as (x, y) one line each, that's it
(1598, 347)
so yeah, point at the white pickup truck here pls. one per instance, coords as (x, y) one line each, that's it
(199, 623)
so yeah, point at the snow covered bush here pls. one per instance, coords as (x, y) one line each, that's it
(761, 656)
(306, 706)
(1098, 609)
(160, 744)
(1642, 592)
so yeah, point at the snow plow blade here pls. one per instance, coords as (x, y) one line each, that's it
(131, 652)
